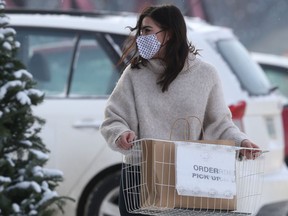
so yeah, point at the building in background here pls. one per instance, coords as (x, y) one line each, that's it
(261, 25)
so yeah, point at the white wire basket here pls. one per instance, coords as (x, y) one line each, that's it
(150, 176)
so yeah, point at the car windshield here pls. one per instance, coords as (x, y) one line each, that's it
(250, 75)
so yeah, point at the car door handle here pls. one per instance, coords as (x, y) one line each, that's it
(87, 123)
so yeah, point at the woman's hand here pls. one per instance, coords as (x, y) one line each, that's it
(249, 153)
(125, 139)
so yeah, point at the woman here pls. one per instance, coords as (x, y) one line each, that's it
(165, 81)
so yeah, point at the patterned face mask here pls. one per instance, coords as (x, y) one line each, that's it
(148, 45)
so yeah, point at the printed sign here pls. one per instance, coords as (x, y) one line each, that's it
(205, 170)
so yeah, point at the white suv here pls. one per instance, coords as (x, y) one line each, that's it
(73, 58)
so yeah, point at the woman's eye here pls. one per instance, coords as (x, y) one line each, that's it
(145, 31)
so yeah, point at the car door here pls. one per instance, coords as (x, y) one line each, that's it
(77, 72)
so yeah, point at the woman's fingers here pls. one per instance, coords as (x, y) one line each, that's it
(131, 137)
(125, 139)
(251, 153)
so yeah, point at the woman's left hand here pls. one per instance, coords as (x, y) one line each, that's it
(249, 153)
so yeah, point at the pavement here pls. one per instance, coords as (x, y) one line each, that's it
(275, 209)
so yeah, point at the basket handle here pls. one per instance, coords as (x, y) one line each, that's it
(188, 127)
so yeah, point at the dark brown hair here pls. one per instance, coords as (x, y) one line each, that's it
(170, 19)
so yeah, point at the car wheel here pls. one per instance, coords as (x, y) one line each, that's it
(103, 199)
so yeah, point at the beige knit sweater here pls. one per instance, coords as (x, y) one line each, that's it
(138, 104)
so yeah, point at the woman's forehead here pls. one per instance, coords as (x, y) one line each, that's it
(148, 22)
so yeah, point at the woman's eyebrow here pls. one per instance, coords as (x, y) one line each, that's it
(146, 27)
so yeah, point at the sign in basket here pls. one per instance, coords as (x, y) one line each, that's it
(205, 170)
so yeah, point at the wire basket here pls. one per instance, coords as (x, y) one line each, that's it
(149, 181)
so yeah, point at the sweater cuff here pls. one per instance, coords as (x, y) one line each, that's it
(238, 140)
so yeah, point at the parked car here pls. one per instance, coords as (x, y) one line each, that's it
(73, 58)
(276, 69)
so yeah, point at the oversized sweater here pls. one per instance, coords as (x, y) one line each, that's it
(138, 104)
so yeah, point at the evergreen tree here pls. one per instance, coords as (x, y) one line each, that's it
(26, 186)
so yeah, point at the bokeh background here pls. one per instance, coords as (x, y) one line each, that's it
(261, 25)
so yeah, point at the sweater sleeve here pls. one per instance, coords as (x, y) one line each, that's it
(218, 122)
(120, 112)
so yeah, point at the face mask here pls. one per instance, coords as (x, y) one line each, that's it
(148, 45)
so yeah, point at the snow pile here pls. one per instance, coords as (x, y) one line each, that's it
(48, 173)
(10, 84)
(26, 185)
(4, 179)
(39, 155)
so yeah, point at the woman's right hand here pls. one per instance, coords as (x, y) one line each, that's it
(125, 139)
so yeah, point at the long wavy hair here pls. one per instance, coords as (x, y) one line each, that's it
(170, 19)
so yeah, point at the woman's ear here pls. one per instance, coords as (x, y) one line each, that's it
(167, 37)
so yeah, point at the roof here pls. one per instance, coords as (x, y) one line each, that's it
(101, 21)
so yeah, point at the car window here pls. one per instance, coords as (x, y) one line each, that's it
(67, 62)
(48, 56)
(250, 75)
(94, 72)
(278, 77)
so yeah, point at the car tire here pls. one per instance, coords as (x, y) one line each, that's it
(103, 199)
